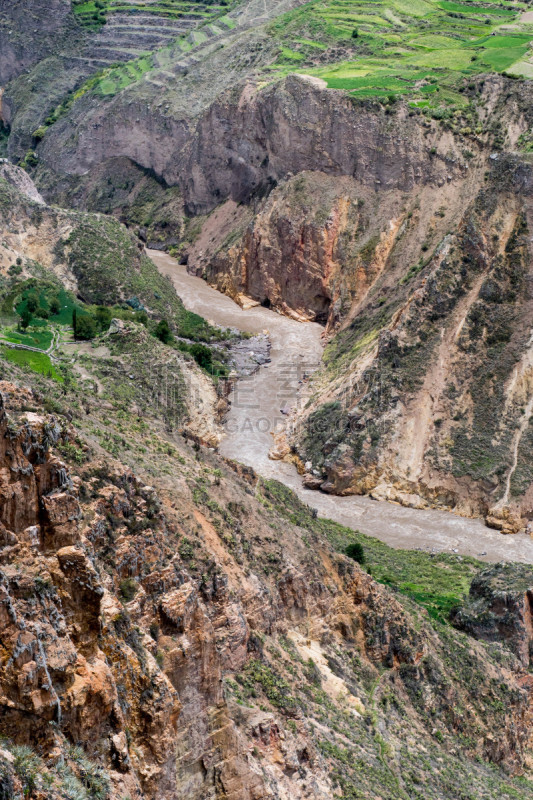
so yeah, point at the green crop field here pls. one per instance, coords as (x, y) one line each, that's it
(402, 46)
(44, 294)
(39, 338)
(37, 362)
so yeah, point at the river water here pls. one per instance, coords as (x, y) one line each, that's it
(256, 412)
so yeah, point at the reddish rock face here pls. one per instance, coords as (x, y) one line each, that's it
(53, 629)
(201, 680)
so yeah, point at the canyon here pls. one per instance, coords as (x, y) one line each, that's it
(266, 400)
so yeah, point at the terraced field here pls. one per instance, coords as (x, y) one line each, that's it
(417, 47)
(128, 31)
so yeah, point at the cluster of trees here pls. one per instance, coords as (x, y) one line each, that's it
(202, 354)
(35, 309)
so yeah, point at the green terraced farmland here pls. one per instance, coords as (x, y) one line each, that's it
(36, 362)
(41, 338)
(402, 47)
(95, 13)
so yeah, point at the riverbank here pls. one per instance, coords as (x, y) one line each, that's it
(256, 412)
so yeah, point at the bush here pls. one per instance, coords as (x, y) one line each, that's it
(127, 590)
(163, 332)
(55, 305)
(103, 317)
(356, 551)
(32, 303)
(86, 327)
(202, 354)
(25, 319)
(27, 767)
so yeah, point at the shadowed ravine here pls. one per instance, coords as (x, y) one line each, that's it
(255, 412)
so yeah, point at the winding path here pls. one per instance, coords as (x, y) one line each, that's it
(255, 413)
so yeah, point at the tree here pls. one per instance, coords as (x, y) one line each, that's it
(25, 319)
(86, 327)
(356, 551)
(32, 303)
(355, 33)
(55, 305)
(163, 332)
(103, 316)
(202, 354)
(75, 323)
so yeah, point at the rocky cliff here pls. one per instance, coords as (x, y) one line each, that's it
(255, 136)
(30, 30)
(428, 376)
(164, 630)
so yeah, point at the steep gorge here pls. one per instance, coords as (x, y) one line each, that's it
(352, 228)
(174, 622)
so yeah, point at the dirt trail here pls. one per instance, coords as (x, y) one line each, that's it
(255, 414)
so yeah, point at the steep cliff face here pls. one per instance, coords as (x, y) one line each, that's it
(29, 31)
(500, 608)
(317, 246)
(247, 139)
(167, 631)
(67, 676)
(427, 380)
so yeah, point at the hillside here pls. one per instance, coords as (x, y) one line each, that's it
(176, 621)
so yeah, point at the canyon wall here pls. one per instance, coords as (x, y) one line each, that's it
(188, 650)
(30, 31)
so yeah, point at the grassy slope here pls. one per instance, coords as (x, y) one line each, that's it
(438, 582)
(107, 262)
(417, 47)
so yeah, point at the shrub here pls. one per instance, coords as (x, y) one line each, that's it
(27, 766)
(25, 319)
(55, 305)
(103, 316)
(32, 303)
(356, 551)
(202, 354)
(86, 327)
(163, 332)
(127, 590)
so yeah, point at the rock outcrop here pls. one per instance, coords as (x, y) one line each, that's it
(187, 651)
(20, 179)
(30, 30)
(500, 609)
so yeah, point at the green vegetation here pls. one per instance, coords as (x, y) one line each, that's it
(127, 590)
(437, 582)
(420, 48)
(4, 136)
(111, 271)
(36, 362)
(163, 332)
(74, 777)
(356, 551)
(45, 300)
(276, 689)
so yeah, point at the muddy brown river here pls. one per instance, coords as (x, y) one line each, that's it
(258, 403)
